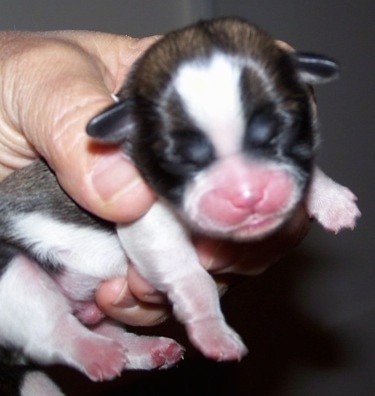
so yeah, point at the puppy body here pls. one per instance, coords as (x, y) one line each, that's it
(220, 122)
(53, 257)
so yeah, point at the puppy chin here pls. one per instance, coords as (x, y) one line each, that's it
(251, 229)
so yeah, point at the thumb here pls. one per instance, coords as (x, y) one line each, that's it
(62, 88)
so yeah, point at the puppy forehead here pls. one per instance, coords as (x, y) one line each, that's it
(210, 92)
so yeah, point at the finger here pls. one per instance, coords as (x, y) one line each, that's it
(284, 46)
(142, 290)
(117, 301)
(111, 186)
(117, 53)
(107, 183)
(115, 189)
(99, 178)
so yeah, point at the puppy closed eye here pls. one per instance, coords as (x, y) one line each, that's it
(186, 151)
(262, 129)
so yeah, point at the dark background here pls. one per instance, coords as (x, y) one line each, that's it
(309, 322)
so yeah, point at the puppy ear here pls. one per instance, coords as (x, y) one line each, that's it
(316, 69)
(113, 125)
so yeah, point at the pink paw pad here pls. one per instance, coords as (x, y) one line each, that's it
(168, 355)
(101, 359)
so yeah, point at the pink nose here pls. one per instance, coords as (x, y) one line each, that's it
(227, 208)
(243, 198)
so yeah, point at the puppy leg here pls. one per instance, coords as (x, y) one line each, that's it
(143, 352)
(331, 204)
(160, 247)
(36, 384)
(37, 319)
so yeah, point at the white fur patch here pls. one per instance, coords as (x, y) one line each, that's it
(211, 93)
(93, 252)
(31, 303)
(331, 204)
(38, 384)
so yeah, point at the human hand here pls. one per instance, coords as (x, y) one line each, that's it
(52, 84)
(223, 259)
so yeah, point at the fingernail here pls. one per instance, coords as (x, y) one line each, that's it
(124, 299)
(114, 176)
(210, 263)
(135, 43)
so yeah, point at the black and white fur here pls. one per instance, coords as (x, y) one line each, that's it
(221, 123)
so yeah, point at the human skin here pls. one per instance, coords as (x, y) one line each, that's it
(51, 85)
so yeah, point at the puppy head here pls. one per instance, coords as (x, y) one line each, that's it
(219, 120)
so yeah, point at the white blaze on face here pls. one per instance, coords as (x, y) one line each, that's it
(210, 91)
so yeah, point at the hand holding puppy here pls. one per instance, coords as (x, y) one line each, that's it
(44, 112)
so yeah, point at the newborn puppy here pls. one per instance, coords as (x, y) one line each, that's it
(220, 122)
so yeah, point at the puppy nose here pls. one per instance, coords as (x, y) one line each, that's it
(244, 197)
(255, 191)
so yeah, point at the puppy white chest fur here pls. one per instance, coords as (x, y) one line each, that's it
(80, 249)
